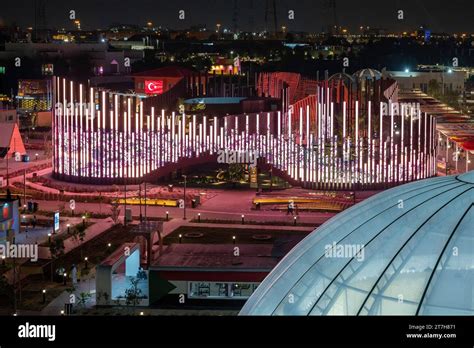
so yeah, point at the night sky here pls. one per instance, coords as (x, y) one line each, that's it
(440, 16)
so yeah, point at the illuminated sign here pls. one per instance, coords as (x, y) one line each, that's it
(154, 87)
(2, 70)
(56, 221)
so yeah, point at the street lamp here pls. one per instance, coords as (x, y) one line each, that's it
(68, 228)
(64, 278)
(199, 217)
(36, 155)
(243, 219)
(233, 239)
(49, 238)
(167, 215)
(86, 262)
(184, 198)
(44, 296)
(180, 238)
(83, 221)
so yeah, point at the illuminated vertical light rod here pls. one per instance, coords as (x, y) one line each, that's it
(332, 119)
(216, 144)
(204, 126)
(173, 137)
(86, 146)
(71, 130)
(92, 133)
(357, 145)
(194, 133)
(162, 139)
(392, 134)
(402, 142)
(411, 144)
(153, 141)
(115, 137)
(141, 143)
(425, 173)
(129, 158)
(381, 142)
(103, 160)
(369, 144)
(81, 131)
(125, 145)
(418, 157)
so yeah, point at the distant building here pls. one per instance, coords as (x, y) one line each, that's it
(103, 60)
(159, 81)
(8, 115)
(450, 80)
(226, 66)
(35, 95)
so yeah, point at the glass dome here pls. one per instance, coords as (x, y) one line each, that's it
(406, 251)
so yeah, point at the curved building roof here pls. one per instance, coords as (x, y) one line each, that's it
(406, 251)
(368, 74)
(348, 79)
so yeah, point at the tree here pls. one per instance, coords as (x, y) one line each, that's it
(56, 248)
(434, 88)
(236, 173)
(83, 298)
(78, 233)
(133, 294)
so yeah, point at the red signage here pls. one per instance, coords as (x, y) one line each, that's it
(6, 211)
(154, 86)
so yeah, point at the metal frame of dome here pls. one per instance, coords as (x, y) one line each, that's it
(342, 76)
(418, 257)
(368, 74)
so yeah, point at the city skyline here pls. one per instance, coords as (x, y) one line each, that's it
(310, 16)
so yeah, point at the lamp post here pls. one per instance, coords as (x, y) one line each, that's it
(184, 198)
(199, 217)
(243, 219)
(86, 262)
(180, 238)
(83, 221)
(167, 216)
(64, 278)
(44, 296)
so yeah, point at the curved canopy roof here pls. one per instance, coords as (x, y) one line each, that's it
(405, 251)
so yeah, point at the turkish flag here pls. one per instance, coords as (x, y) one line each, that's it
(154, 86)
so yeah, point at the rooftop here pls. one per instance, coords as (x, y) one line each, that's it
(217, 256)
